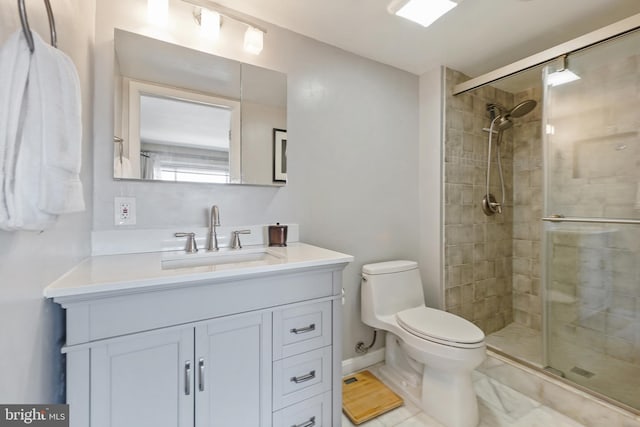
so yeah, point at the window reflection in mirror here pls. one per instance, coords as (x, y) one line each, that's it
(182, 140)
(178, 135)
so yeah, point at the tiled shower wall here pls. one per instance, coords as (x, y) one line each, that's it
(478, 248)
(527, 211)
(492, 263)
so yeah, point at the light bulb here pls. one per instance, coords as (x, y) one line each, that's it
(210, 24)
(253, 40)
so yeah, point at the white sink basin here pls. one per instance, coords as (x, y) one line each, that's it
(223, 259)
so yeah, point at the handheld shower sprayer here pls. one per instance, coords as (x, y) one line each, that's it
(501, 119)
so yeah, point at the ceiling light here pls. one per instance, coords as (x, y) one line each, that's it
(424, 12)
(158, 11)
(563, 75)
(253, 40)
(209, 24)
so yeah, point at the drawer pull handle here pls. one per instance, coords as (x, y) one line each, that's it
(311, 375)
(187, 378)
(311, 327)
(310, 423)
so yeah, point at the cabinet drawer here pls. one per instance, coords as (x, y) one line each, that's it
(301, 329)
(313, 412)
(300, 377)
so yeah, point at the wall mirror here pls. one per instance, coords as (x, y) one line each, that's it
(182, 115)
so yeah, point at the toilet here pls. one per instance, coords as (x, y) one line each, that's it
(433, 350)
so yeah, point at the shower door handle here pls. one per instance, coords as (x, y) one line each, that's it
(560, 218)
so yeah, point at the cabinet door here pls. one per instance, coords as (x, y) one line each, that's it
(142, 380)
(233, 361)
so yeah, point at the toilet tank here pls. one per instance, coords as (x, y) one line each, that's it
(389, 287)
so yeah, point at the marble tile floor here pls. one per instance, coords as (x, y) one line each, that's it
(518, 341)
(612, 377)
(500, 406)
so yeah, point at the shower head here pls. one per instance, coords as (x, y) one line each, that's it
(503, 121)
(523, 108)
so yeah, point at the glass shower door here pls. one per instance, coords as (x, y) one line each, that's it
(592, 220)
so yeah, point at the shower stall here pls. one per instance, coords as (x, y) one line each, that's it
(542, 215)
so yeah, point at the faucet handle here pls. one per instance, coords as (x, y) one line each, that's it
(235, 238)
(192, 246)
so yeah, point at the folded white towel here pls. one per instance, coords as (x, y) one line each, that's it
(61, 131)
(42, 166)
(15, 59)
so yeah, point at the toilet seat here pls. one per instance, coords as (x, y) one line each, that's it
(441, 327)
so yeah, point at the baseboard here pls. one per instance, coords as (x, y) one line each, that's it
(349, 366)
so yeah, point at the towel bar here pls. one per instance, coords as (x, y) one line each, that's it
(27, 30)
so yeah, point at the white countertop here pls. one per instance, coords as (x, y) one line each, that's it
(142, 271)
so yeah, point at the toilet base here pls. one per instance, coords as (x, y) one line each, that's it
(449, 398)
(446, 396)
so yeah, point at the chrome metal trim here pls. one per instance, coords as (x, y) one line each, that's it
(590, 39)
(201, 374)
(560, 218)
(310, 423)
(229, 13)
(311, 375)
(187, 378)
(311, 327)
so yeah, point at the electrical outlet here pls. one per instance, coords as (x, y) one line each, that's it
(124, 210)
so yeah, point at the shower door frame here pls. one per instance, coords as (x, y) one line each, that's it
(605, 34)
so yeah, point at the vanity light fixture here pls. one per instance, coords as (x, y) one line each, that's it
(210, 22)
(424, 12)
(253, 40)
(253, 37)
(158, 11)
(562, 75)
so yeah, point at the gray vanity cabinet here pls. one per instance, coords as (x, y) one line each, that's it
(136, 381)
(253, 350)
(216, 373)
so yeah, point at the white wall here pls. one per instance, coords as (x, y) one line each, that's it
(353, 149)
(31, 328)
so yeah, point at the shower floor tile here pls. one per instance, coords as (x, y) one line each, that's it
(518, 341)
(612, 377)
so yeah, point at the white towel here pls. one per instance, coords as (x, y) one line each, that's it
(15, 59)
(61, 132)
(45, 169)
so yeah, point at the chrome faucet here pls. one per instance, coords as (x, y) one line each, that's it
(235, 238)
(192, 246)
(214, 221)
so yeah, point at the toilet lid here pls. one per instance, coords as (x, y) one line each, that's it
(431, 323)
